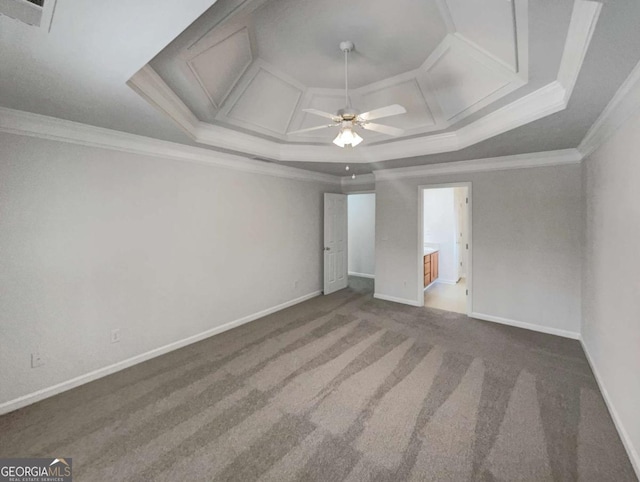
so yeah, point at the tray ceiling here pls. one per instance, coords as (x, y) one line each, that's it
(239, 77)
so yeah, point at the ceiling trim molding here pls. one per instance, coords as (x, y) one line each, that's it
(547, 100)
(583, 23)
(519, 9)
(512, 81)
(446, 15)
(52, 128)
(518, 161)
(148, 84)
(243, 30)
(230, 9)
(240, 88)
(624, 104)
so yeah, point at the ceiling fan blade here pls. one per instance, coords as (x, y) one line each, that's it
(387, 111)
(300, 131)
(333, 117)
(388, 130)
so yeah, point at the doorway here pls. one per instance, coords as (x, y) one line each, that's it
(445, 247)
(349, 242)
(361, 222)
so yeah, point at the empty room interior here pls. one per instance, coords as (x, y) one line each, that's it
(320, 240)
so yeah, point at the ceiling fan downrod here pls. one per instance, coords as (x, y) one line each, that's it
(346, 46)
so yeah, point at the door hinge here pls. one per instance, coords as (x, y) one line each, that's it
(467, 292)
(466, 200)
(467, 245)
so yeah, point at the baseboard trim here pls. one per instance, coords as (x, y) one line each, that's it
(446, 281)
(634, 457)
(362, 275)
(34, 397)
(527, 326)
(403, 301)
(430, 285)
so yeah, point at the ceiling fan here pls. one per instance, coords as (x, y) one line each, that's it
(349, 118)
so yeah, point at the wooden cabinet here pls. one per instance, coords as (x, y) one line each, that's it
(427, 270)
(430, 268)
(434, 266)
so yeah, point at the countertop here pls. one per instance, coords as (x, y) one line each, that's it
(429, 251)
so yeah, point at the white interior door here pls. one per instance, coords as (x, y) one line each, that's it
(335, 242)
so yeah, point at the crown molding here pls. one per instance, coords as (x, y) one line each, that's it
(519, 161)
(52, 128)
(545, 101)
(622, 106)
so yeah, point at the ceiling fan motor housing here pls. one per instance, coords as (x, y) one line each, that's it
(348, 113)
(347, 46)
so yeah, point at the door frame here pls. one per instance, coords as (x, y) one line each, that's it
(420, 250)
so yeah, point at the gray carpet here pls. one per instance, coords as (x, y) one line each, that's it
(342, 387)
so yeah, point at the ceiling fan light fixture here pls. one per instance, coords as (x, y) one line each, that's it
(349, 118)
(347, 137)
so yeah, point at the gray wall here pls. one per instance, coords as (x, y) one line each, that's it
(93, 239)
(526, 228)
(611, 282)
(362, 234)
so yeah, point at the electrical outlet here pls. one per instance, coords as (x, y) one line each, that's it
(115, 335)
(36, 360)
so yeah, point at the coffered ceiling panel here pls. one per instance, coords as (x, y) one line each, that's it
(267, 101)
(219, 67)
(406, 93)
(490, 24)
(300, 37)
(461, 78)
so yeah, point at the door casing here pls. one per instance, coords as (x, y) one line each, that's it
(420, 241)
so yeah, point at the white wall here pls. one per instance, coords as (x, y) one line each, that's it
(93, 239)
(362, 234)
(526, 231)
(611, 278)
(439, 230)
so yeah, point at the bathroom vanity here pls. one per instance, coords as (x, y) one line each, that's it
(430, 266)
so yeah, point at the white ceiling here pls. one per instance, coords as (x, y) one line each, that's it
(254, 65)
(78, 71)
(300, 38)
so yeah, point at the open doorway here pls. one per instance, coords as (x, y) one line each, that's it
(445, 247)
(361, 229)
